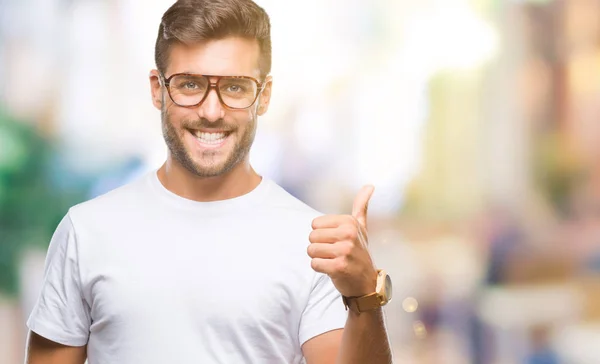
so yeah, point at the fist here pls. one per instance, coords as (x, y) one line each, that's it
(339, 248)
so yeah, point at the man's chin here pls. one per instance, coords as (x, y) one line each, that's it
(209, 170)
(210, 163)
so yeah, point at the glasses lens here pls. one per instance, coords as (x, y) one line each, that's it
(187, 90)
(238, 93)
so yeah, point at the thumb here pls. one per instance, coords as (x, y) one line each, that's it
(361, 204)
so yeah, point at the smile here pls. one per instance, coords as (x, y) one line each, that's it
(212, 139)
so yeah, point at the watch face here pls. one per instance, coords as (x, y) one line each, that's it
(388, 287)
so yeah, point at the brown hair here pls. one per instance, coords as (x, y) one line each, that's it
(192, 21)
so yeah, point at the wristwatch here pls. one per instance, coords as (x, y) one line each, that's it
(381, 296)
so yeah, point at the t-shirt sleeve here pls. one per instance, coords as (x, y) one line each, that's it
(324, 311)
(60, 313)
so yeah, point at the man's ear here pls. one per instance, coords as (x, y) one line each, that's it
(265, 96)
(156, 89)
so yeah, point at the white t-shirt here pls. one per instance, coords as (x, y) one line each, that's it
(142, 275)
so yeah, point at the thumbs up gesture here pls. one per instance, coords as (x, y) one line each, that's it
(339, 248)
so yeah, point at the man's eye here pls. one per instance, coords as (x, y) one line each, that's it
(190, 85)
(235, 88)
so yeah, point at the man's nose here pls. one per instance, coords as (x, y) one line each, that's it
(211, 108)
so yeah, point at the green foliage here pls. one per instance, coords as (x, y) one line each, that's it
(30, 205)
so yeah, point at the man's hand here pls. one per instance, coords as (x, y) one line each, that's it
(339, 248)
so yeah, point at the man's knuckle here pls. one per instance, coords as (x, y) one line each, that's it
(346, 249)
(314, 264)
(342, 265)
(315, 222)
(350, 232)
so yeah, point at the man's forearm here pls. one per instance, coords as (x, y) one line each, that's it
(365, 339)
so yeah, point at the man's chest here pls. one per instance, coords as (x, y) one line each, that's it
(210, 285)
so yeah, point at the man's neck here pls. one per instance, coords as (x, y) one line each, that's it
(239, 181)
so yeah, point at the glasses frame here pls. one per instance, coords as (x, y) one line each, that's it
(259, 89)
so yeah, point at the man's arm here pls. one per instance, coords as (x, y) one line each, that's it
(43, 351)
(339, 248)
(323, 349)
(363, 340)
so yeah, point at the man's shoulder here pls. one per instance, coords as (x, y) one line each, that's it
(285, 203)
(126, 197)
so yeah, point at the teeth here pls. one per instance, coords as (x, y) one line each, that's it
(210, 138)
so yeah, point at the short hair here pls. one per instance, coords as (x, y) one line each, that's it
(191, 21)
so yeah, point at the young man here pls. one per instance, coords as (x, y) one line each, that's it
(204, 260)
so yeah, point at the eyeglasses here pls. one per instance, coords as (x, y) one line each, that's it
(234, 92)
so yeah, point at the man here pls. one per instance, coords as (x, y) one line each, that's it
(204, 260)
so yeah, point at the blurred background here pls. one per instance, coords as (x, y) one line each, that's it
(477, 121)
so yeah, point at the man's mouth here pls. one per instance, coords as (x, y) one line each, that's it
(210, 137)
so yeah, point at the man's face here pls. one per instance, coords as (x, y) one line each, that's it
(210, 140)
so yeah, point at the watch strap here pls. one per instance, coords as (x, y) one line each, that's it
(363, 303)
